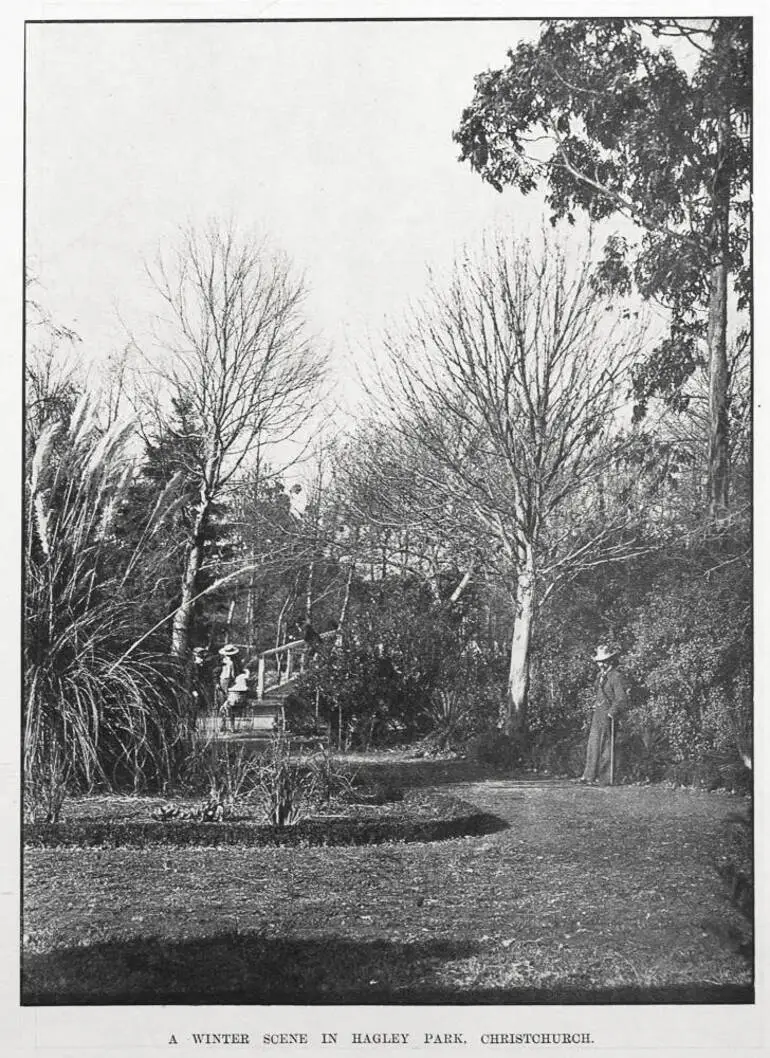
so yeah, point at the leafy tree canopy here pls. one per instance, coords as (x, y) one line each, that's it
(602, 112)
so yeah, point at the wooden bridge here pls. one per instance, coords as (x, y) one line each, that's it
(277, 672)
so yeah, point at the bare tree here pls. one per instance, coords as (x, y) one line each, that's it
(233, 351)
(54, 378)
(510, 379)
(399, 516)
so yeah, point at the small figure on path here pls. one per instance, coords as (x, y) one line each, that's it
(230, 665)
(202, 680)
(610, 700)
(237, 695)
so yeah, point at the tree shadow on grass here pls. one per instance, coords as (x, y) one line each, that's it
(234, 968)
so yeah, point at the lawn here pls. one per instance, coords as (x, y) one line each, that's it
(586, 895)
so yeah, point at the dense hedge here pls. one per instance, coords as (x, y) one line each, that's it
(457, 819)
(682, 619)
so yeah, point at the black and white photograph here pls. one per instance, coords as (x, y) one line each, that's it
(387, 516)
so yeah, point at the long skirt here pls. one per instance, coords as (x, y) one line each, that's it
(598, 750)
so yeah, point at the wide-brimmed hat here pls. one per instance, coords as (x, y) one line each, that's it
(228, 650)
(604, 653)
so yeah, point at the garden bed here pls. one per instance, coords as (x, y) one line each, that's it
(114, 822)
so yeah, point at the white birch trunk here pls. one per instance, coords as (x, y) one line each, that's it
(518, 672)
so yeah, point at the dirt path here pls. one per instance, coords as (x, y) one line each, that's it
(550, 811)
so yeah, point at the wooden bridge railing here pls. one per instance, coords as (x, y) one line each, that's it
(294, 654)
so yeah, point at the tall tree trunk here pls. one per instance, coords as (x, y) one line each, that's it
(518, 673)
(251, 604)
(309, 591)
(719, 457)
(280, 626)
(182, 623)
(314, 551)
(311, 572)
(345, 600)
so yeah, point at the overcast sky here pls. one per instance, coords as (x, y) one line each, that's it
(333, 138)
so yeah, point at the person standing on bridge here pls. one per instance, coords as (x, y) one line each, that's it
(312, 639)
(610, 701)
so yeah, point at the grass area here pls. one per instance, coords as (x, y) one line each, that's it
(589, 895)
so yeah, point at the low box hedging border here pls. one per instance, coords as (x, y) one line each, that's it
(460, 820)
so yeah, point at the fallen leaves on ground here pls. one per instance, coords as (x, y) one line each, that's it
(587, 893)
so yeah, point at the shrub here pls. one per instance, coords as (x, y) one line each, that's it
(299, 715)
(494, 747)
(683, 622)
(284, 783)
(223, 770)
(556, 753)
(467, 705)
(362, 697)
(691, 663)
(403, 669)
(327, 779)
(45, 788)
(644, 754)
